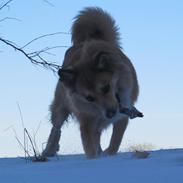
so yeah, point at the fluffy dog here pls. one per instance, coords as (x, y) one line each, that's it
(96, 80)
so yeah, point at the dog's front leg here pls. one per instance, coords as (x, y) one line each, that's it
(58, 116)
(90, 136)
(117, 135)
(119, 127)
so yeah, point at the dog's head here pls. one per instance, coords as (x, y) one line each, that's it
(94, 81)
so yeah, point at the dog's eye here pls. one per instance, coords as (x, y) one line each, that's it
(105, 89)
(90, 98)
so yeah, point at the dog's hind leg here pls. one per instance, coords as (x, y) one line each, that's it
(117, 135)
(58, 116)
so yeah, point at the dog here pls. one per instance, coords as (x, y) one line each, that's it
(96, 80)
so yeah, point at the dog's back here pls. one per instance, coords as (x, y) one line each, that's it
(91, 24)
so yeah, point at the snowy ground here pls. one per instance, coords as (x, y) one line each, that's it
(163, 166)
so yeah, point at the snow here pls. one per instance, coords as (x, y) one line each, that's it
(163, 166)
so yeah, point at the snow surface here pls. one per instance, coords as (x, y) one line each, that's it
(163, 166)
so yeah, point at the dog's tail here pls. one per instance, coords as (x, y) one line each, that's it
(94, 23)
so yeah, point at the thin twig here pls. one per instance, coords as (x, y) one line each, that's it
(22, 121)
(37, 156)
(40, 37)
(46, 1)
(9, 18)
(30, 139)
(21, 145)
(40, 62)
(5, 4)
(21, 116)
(8, 128)
(45, 50)
(35, 133)
(25, 144)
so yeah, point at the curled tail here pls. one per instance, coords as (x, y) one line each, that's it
(94, 23)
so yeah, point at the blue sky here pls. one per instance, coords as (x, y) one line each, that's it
(151, 33)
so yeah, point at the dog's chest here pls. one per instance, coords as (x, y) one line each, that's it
(106, 122)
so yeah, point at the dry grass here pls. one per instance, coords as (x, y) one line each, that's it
(29, 145)
(140, 151)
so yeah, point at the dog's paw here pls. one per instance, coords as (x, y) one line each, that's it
(49, 153)
(131, 112)
(108, 152)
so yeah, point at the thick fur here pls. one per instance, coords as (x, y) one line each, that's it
(94, 23)
(95, 80)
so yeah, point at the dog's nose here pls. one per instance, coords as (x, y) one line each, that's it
(110, 113)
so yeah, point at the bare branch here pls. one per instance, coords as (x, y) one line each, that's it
(35, 57)
(9, 18)
(5, 4)
(49, 3)
(46, 35)
(45, 50)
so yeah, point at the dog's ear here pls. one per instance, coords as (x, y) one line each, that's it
(67, 76)
(102, 62)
